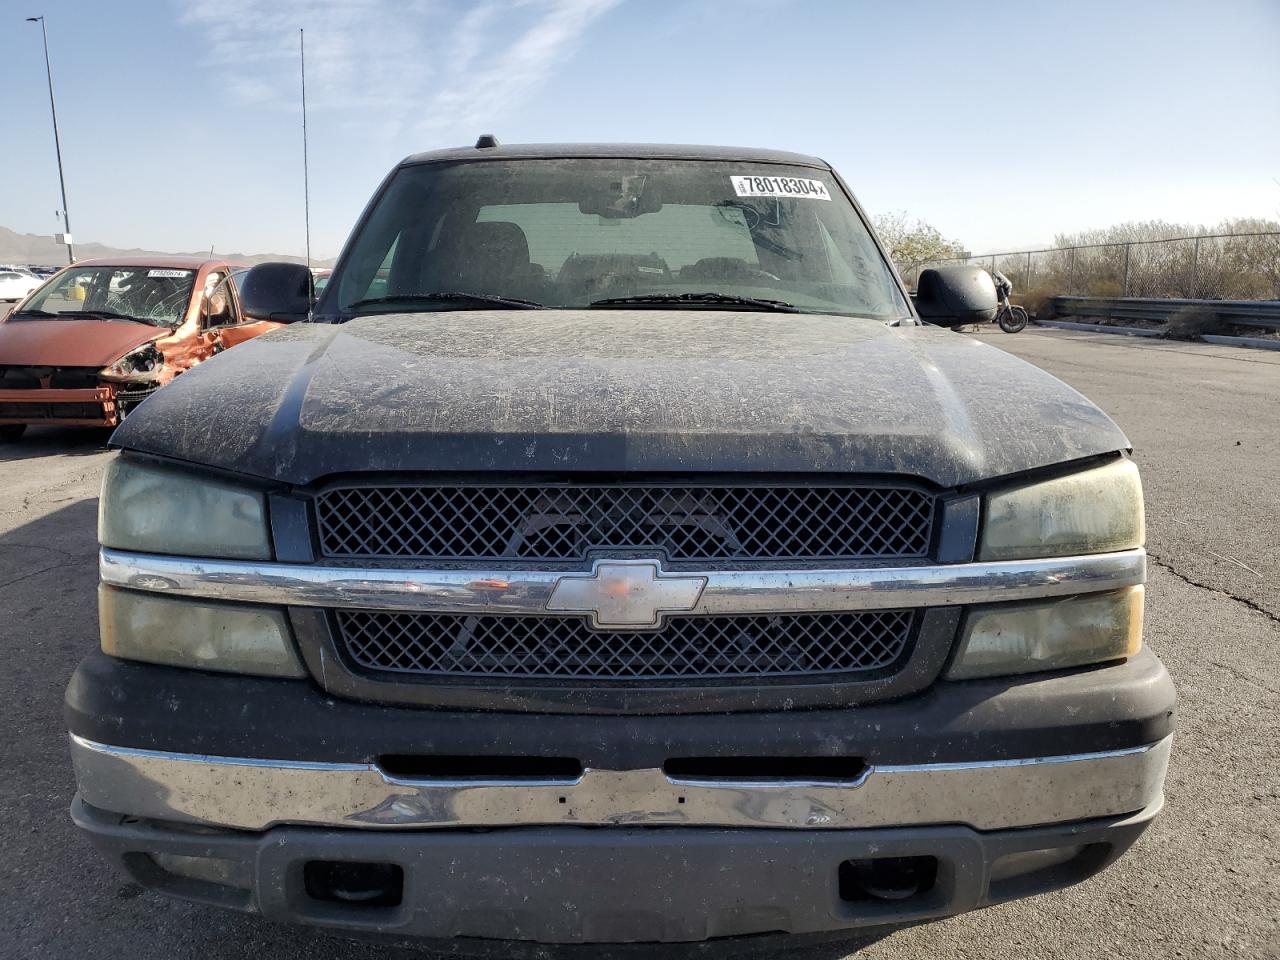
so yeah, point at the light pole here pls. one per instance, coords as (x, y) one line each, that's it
(57, 141)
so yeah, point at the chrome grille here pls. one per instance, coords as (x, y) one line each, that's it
(567, 648)
(558, 523)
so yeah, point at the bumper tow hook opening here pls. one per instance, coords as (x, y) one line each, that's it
(887, 878)
(354, 883)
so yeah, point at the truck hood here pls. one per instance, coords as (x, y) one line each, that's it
(71, 342)
(614, 390)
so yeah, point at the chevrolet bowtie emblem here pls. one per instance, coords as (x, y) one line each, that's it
(625, 594)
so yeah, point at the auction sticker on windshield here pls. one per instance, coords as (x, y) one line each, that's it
(754, 186)
(169, 273)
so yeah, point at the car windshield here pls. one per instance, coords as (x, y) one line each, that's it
(577, 233)
(154, 295)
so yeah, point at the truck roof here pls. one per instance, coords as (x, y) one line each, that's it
(630, 151)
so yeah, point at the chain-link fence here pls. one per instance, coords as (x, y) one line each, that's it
(1235, 266)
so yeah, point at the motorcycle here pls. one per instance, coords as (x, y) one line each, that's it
(1011, 317)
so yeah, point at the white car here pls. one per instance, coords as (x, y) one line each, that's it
(15, 285)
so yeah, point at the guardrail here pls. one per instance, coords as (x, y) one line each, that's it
(1243, 313)
(1262, 314)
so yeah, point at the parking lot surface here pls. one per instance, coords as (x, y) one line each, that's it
(1203, 882)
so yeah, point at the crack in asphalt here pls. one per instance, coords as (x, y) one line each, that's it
(28, 576)
(1245, 601)
(39, 546)
(1245, 678)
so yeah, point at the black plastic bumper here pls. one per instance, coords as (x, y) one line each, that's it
(185, 711)
(581, 885)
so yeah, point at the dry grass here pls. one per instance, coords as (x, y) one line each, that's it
(1105, 288)
(1035, 301)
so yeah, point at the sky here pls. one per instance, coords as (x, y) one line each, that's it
(1001, 123)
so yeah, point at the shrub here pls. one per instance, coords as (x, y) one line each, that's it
(1036, 302)
(1190, 323)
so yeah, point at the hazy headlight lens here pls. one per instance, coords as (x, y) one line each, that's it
(1095, 511)
(1050, 634)
(181, 632)
(161, 510)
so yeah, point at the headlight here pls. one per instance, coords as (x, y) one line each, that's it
(140, 364)
(182, 632)
(1094, 511)
(162, 510)
(1049, 634)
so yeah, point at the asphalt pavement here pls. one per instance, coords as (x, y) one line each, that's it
(1204, 882)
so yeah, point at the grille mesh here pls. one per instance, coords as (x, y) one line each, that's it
(565, 647)
(564, 522)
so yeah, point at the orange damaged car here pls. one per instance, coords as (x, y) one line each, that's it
(102, 335)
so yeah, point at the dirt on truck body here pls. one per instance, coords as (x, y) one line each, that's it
(617, 556)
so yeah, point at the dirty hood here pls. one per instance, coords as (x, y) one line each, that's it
(70, 343)
(647, 390)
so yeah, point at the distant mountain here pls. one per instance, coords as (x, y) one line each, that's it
(24, 248)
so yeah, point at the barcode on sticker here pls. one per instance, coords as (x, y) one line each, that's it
(168, 273)
(753, 186)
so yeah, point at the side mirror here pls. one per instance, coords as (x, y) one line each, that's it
(954, 296)
(276, 291)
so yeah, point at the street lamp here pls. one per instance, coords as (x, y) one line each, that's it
(57, 142)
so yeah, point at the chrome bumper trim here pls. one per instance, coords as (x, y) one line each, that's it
(526, 592)
(257, 794)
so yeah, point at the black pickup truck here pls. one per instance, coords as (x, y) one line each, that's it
(612, 554)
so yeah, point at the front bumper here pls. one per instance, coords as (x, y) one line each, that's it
(84, 407)
(627, 884)
(268, 776)
(255, 794)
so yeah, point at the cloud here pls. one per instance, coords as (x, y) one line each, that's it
(398, 66)
(487, 85)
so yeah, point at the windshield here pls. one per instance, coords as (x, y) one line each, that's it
(570, 233)
(154, 295)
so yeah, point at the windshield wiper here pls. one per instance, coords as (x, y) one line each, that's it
(33, 313)
(452, 296)
(108, 315)
(778, 306)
